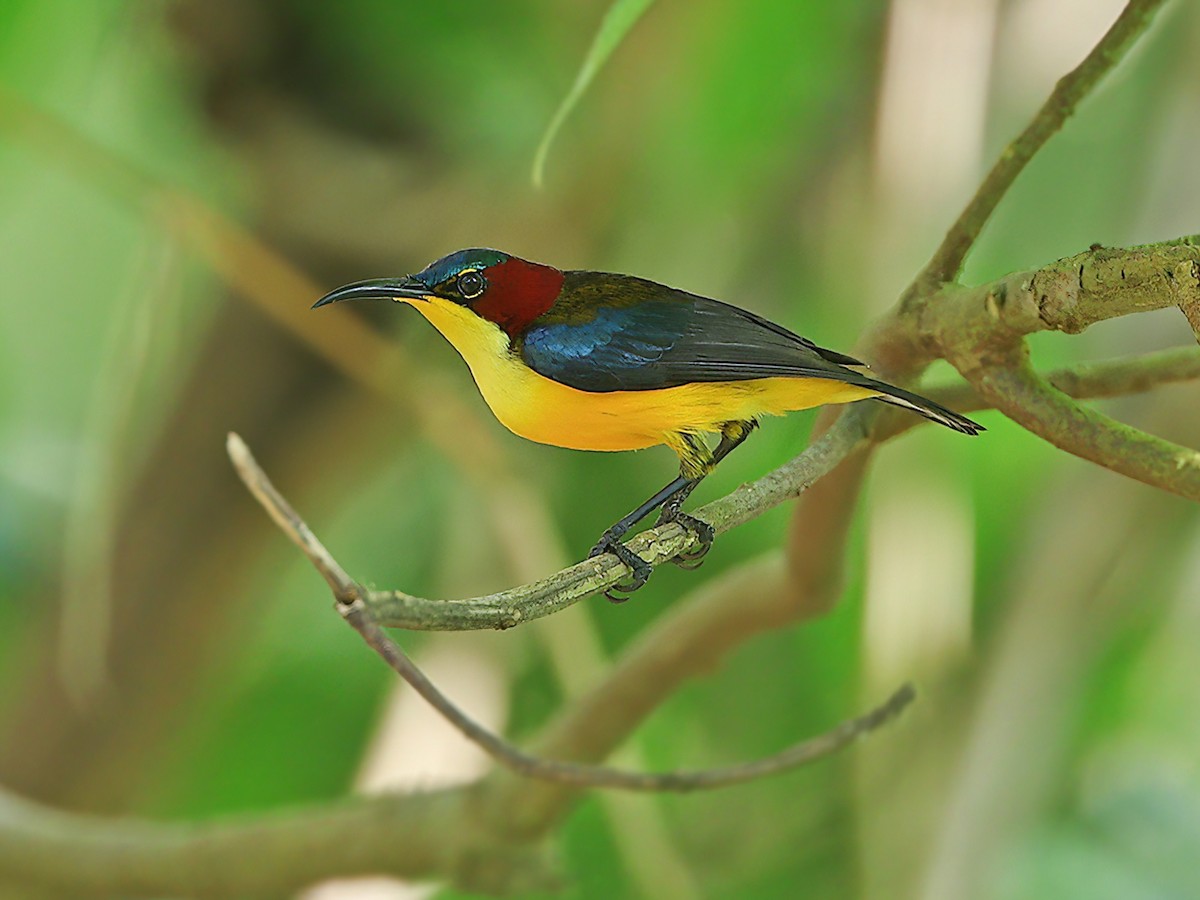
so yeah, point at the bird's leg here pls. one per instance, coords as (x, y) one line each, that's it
(610, 541)
(695, 461)
(732, 434)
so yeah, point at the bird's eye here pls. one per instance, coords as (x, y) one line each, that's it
(471, 285)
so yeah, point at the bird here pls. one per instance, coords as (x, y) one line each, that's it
(604, 361)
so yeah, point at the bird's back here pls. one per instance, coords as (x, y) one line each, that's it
(620, 333)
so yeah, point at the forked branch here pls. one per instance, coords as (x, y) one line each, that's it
(354, 604)
(981, 332)
(506, 609)
(585, 775)
(1087, 381)
(1072, 88)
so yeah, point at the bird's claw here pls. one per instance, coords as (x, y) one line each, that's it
(640, 569)
(610, 542)
(704, 534)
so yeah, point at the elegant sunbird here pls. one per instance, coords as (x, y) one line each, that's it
(600, 361)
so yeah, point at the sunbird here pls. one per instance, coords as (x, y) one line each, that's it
(601, 361)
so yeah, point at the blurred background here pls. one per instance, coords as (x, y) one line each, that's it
(181, 180)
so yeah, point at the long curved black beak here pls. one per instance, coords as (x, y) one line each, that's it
(377, 289)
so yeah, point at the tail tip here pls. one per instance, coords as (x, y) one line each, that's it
(963, 424)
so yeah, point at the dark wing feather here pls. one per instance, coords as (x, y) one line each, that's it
(667, 338)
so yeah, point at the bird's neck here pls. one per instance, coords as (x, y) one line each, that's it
(477, 340)
(519, 291)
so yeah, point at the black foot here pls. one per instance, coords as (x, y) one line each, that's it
(641, 569)
(704, 534)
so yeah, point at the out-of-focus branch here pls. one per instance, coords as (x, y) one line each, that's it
(255, 271)
(1072, 88)
(235, 254)
(506, 609)
(817, 535)
(411, 836)
(1129, 375)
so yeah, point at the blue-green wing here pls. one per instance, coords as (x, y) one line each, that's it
(664, 343)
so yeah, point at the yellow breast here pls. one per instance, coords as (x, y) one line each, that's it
(545, 411)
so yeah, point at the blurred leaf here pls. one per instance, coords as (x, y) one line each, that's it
(620, 17)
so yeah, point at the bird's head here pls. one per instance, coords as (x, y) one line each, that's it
(505, 290)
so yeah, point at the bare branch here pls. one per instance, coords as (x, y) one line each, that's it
(980, 326)
(413, 836)
(980, 332)
(509, 608)
(1107, 378)
(1100, 284)
(687, 642)
(343, 586)
(1018, 392)
(1072, 88)
(584, 775)
(1128, 375)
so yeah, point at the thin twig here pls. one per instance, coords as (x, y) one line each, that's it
(947, 260)
(1086, 381)
(1127, 375)
(506, 609)
(1022, 395)
(688, 641)
(585, 775)
(344, 588)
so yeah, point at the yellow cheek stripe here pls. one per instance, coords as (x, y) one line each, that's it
(545, 411)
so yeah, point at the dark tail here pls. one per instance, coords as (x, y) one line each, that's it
(930, 410)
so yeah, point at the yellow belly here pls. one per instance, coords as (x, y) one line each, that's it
(545, 411)
(552, 413)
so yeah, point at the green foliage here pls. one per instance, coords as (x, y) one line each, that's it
(617, 22)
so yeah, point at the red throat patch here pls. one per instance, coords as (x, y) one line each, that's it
(518, 292)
